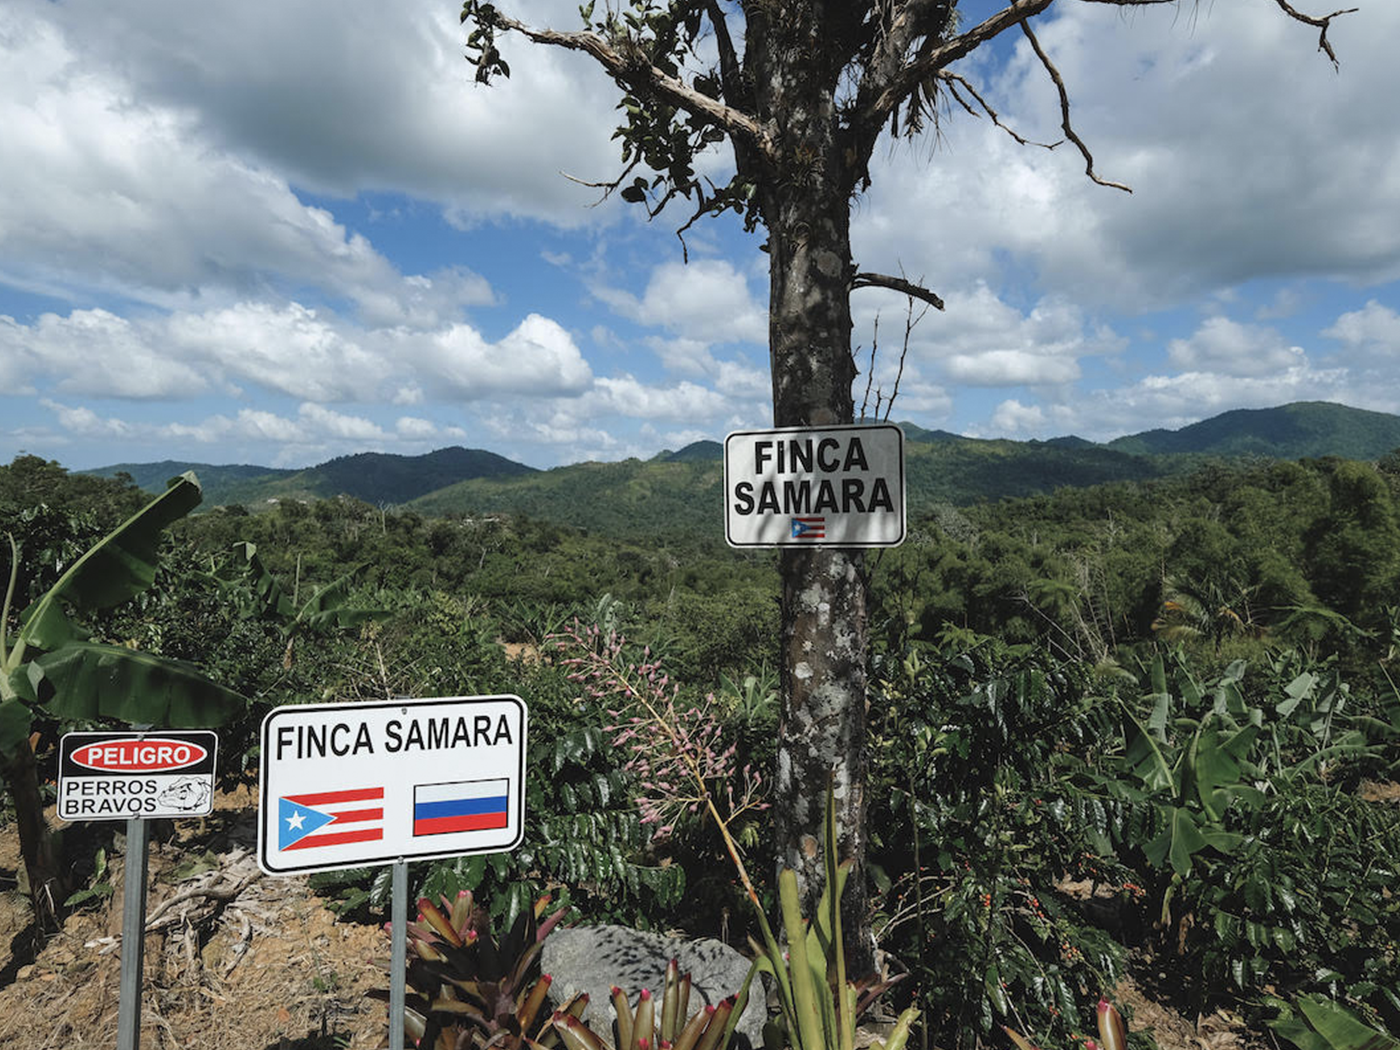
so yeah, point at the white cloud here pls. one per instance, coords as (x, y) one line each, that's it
(707, 300)
(91, 353)
(382, 99)
(627, 396)
(1012, 417)
(1248, 156)
(109, 189)
(291, 349)
(288, 349)
(1011, 368)
(83, 421)
(537, 358)
(734, 377)
(1372, 332)
(1229, 348)
(983, 341)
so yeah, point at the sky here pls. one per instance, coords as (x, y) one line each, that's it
(275, 233)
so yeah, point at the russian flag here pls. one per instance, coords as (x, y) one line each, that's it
(330, 818)
(464, 805)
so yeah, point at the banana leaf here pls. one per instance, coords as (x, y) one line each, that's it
(86, 680)
(1333, 1027)
(118, 567)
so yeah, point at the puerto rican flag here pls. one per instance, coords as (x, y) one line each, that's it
(463, 805)
(809, 528)
(330, 818)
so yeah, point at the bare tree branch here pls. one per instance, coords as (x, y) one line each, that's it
(730, 69)
(641, 75)
(1064, 113)
(1323, 24)
(897, 284)
(954, 81)
(870, 372)
(609, 186)
(892, 77)
(731, 79)
(910, 323)
(894, 86)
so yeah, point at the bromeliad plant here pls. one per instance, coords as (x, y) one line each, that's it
(819, 1005)
(50, 667)
(470, 990)
(643, 1027)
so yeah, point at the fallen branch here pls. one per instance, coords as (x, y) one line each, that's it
(218, 894)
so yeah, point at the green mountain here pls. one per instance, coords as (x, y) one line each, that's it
(681, 491)
(375, 477)
(222, 484)
(1300, 430)
(630, 498)
(378, 477)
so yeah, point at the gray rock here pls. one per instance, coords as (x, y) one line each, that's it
(593, 959)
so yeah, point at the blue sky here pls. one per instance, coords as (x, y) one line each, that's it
(275, 233)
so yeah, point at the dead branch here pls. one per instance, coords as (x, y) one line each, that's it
(910, 323)
(1064, 113)
(895, 86)
(954, 81)
(897, 284)
(245, 938)
(1322, 24)
(220, 894)
(870, 372)
(609, 186)
(648, 79)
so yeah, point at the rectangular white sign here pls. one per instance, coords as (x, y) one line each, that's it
(357, 784)
(121, 775)
(838, 486)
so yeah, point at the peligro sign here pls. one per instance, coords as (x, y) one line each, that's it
(121, 775)
(151, 755)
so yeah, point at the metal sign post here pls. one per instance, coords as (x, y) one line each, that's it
(399, 930)
(133, 935)
(134, 776)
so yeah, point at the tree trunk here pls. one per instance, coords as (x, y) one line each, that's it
(806, 205)
(39, 847)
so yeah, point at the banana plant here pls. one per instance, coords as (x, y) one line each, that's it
(1321, 1024)
(50, 666)
(1192, 769)
(325, 610)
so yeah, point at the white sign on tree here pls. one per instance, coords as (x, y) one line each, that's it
(838, 486)
(351, 785)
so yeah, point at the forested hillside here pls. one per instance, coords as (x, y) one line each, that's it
(1305, 428)
(678, 493)
(375, 477)
(1143, 728)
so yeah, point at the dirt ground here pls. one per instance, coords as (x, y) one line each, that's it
(236, 960)
(270, 968)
